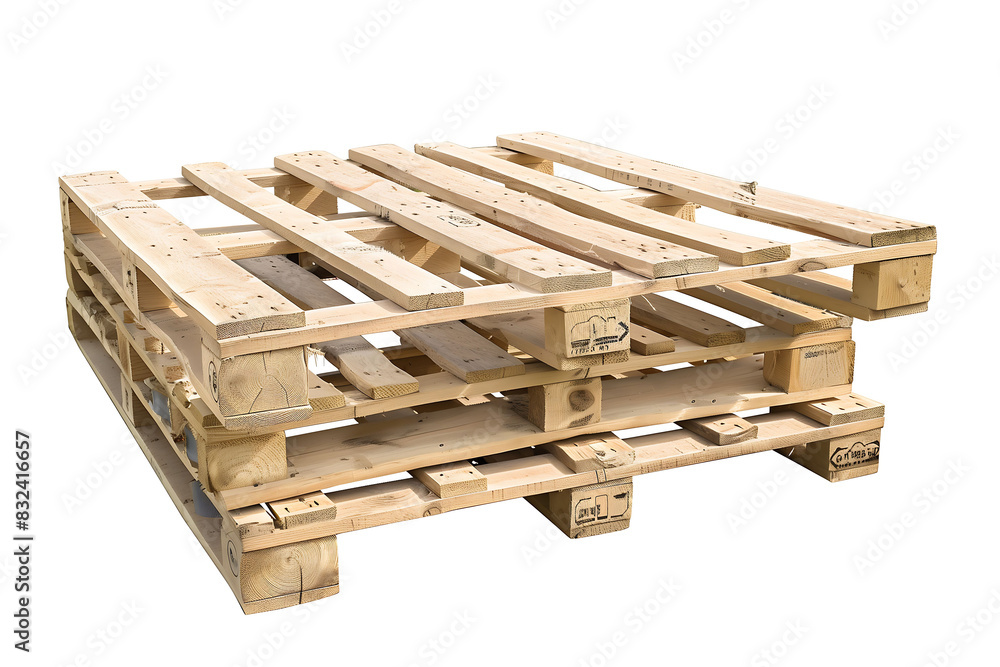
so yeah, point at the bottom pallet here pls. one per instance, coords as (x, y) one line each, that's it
(288, 555)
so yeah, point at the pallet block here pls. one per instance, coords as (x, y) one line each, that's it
(893, 284)
(811, 367)
(586, 511)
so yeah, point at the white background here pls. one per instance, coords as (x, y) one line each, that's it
(883, 95)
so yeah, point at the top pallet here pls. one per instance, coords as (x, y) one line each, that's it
(529, 239)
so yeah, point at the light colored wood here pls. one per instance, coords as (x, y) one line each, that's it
(556, 407)
(587, 511)
(291, 569)
(323, 395)
(840, 410)
(462, 352)
(775, 311)
(747, 200)
(141, 293)
(309, 508)
(362, 318)
(451, 479)
(141, 354)
(159, 450)
(730, 247)
(256, 390)
(225, 300)
(536, 218)
(444, 386)
(475, 240)
(839, 459)
(588, 329)
(648, 342)
(812, 367)
(306, 197)
(830, 292)
(393, 501)
(351, 453)
(527, 332)
(893, 284)
(672, 317)
(392, 277)
(722, 430)
(592, 452)
(242, 462)
(359, 361)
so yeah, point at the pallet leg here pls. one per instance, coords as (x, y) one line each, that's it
(588, 510)
(812, 367)
(894, 283)
(839, 459)
(283, 576)
(587, 329)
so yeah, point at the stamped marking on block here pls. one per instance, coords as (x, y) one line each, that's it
(597, 334)
(860, 453)
(602, 507)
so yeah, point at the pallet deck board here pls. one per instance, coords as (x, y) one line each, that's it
(536, 218)
(730, 247)
(394, 278)
(226, 300)
(529, 264)
(747, 200)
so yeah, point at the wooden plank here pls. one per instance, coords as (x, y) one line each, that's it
(359, 361)
(830, 292)
(840, 410)
(722, 430)
(462, 352)
(648, 342)
(678, 319)
(225, 300)
(775, 311)
(451, 479)
(391, 276)
(475, 240)
(592, 452)
(730, 247)
(536, 218)
(747, 200)
(893, 284)
(308, 508)
(362, 318)
(352, 453)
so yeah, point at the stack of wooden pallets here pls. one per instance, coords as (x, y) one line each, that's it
(536, 318)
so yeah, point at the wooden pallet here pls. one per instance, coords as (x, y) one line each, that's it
(531, 310)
